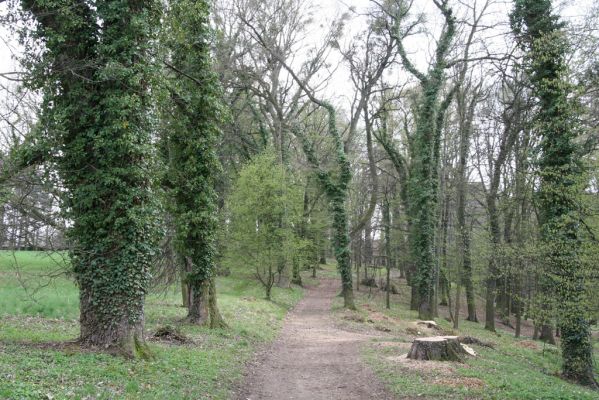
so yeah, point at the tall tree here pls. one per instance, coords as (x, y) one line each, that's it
(94, 72)
(193, 164)
(541, 36)
(423, 178)
(468, 93)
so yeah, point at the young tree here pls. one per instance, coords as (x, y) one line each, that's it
(95, 127)
(265, 206)
(542, 38)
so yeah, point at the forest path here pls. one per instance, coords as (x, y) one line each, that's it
(312, 359)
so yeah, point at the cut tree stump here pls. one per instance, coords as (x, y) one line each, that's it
(437, 348)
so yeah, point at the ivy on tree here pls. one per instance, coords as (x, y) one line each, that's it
(335, 186)
(193, 133)
(542, 38)
(94, 73)
(422, 188)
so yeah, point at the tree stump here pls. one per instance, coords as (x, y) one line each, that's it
(437, 348)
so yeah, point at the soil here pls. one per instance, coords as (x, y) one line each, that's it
(313, 359)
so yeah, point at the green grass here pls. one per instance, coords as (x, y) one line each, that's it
(30, 368)
(512, 370)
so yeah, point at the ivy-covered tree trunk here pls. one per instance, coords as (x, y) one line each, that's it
(386, 211)
(542, 38)
(423, 178)
(193, 134)
(335, 188)
(97, 132)
(368, 243)
(341, 244)
(465, 106)
(423, 202)
(111, 198)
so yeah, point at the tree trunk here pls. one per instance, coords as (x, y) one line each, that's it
(561, 177)
(518, 307)
(547, 334)
(465, 267)
(123, 335)
(444, 287)
(414, 301)
(105, 163)
(493, 270)
(296, 277)
(269, 282)
(368, 243)
(198, 312)
(510, 133)
(185, 293)
(468, 285)
(358, 256)
(458, 294)
(342, 254)
(216, 319)
(284, 275)
(387, 230)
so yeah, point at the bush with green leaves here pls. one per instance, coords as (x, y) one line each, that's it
(265, 211)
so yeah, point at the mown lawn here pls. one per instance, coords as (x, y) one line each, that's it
(515, 369)
(37, 318)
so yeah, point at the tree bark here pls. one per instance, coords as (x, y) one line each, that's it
(216, 319)
(387, 231)
(198, 313)
(562, 177)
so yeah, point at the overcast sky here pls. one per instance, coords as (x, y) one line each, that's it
(326, 10)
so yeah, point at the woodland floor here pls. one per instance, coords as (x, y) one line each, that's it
(318, 350)
(326, 352)
(313, 358)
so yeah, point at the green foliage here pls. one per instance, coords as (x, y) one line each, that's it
(193, 130)
(562, 180)
(95, 128)
(265, 209)
(423, 178)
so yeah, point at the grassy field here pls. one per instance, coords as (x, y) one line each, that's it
(39, 307)
(515, 369)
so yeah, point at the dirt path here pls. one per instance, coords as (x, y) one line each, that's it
(312, 359)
